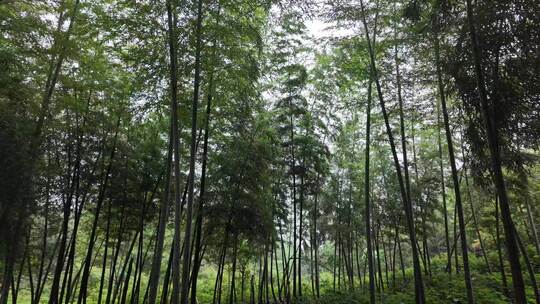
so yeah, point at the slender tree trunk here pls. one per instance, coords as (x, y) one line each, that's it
(175, 267)
(40, 284)
(242, 286)
(441, 168)
(457, 192)
(367, 189)
(300, 227)
(315, 242)
(189, 212)
(346, 264)
(294, 235)
(280, 295)
(127, 263)
(349, 241)
(219, 279)
(31, 280)
(67, 204)
(425, 260)
(396, 240)
(43, 244)
(114, 262)
(530, 213)
(419, 285)
(16, 283)
(260, 280)
(475, 222)
(425, 246)
(334, 264)
(498, 178)
(457, 234)
(385, 263)
(272, 269)
(311, 266)
(367, 205)
(252, 290)
(266, 274)
(285, 266)
(166, 280)
(60, 261)
(358, 270)
(126, 283)
(140, 256)
(379, 268)
(529, 266)
(338, 252)
(401, 260)
(499, 249)
(202, 196)
(105, 253)
(153, 282)
(459, 205)
(79, 207)
(68, 273)
(233, 275)
(402, 128)
(89, 253)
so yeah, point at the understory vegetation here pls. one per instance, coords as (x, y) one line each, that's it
(269, 151)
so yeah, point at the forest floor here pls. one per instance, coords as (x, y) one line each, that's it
(440, 287)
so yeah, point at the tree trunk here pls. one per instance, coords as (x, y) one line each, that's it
(189, 211)
(105, 253)
(497, 174)
(475, 222)
(443, 186)
(315, 242)
(166, 280)
(233, 275)
(367, 205)
(457, 192)
(252, 290)
(385, 263)
(530, 213)
(396, 239)
(43, 244)
(126, 264)
(126, 283)
(272, 270)
(499, 249)
(401, 260)
(173, 79)
(40, 284)
(101, 196)
(153, 282)
(379, 269)
(294, 235)
(300, 227)
(529, 266)
(457, 234)
(114, 262)
(67, 204)
(419, 285)
(202, 196)
(140, 255)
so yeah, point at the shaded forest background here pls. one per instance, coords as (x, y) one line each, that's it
(216, 151)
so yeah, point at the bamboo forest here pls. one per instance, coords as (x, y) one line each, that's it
(269, 151)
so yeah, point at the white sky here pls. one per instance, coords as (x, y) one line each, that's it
(322, 29)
